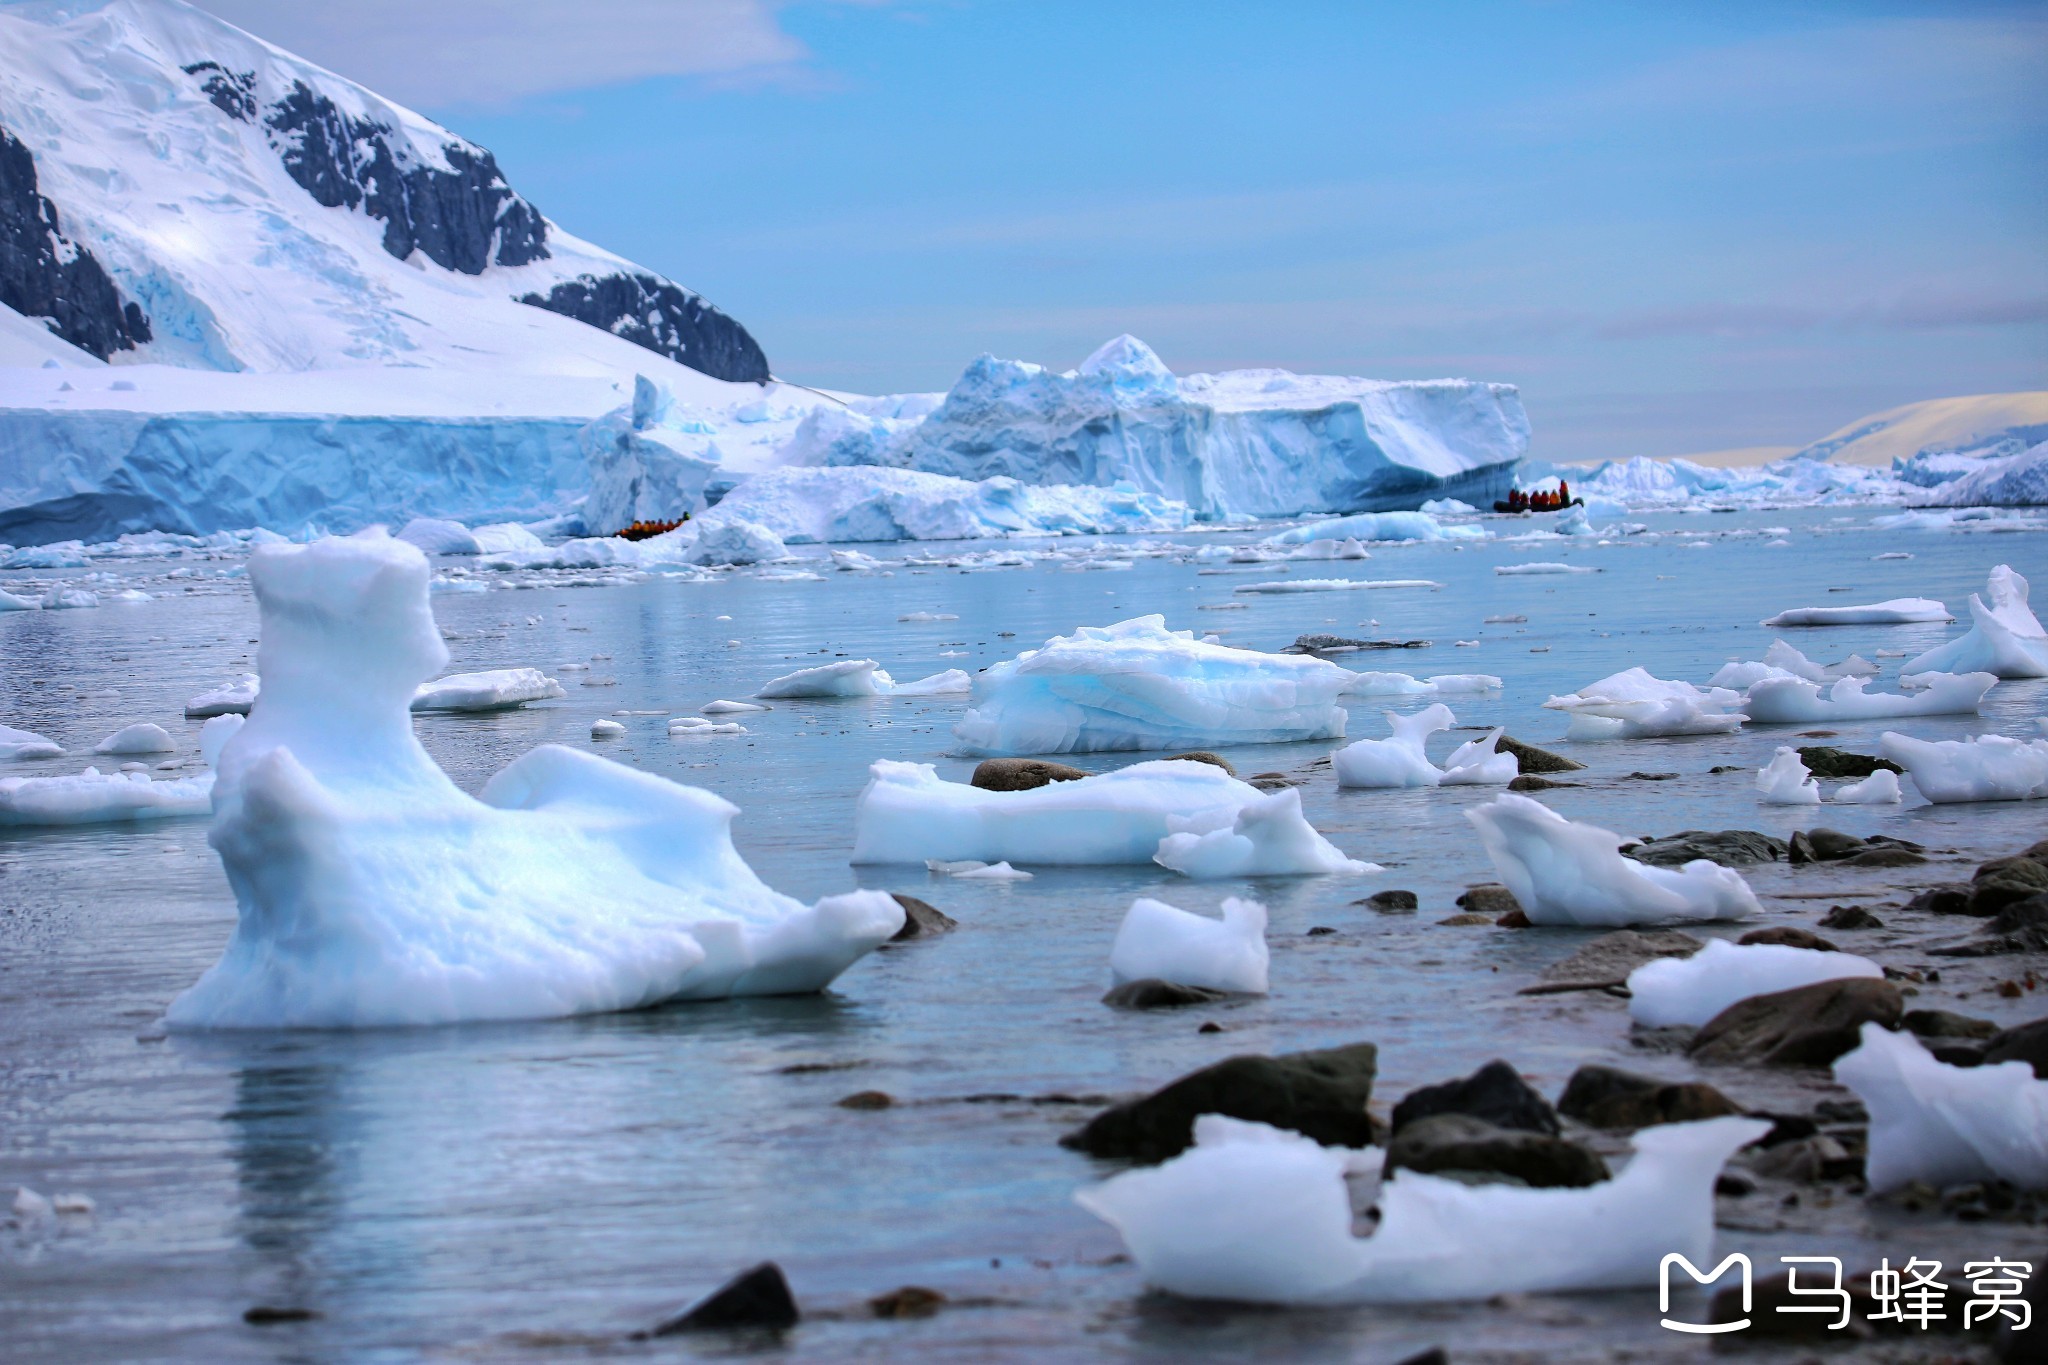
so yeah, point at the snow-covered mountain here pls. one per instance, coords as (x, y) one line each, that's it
(176, 191)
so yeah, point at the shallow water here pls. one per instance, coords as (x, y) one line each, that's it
(537, 1191)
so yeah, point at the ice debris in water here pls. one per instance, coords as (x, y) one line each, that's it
(1287, 585)
(1942, 1124)
(1782, 660)
(1785, 781)
(9, 602)
(1167, 943)
(1981, 768)
(698, 725)
(1375, 526)
(1512, 570)
(606, 729)
(373, 891)
(142, 737)
(496, 690)
(975, 870)
(25, 744)
(93, 797)
(908, 814)
(1138, 685)
(1268, 837)
(1402, 762)
(2004, 638)
(1563, 872)
(1254, 1214)
(859, 678)
(1692, 990)
(234, 699)
(1632, 704)
(1897, 611)
(1879, 789)
(726, 708)
(1794, 701)
(1368, 684)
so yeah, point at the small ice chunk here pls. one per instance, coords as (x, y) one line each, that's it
(1633, 704)
(2004, 638)
(1981, 768)
(1167, 943)
(437, 537)
(498, 689)
(723, 708)
(142, 737)
(1371, 684)
(233, 699)
(1268, 837)
(921, 618)
(1897, 611)
(1512, 570)
(1286, 585)
(1481, 763)
(1399, 761)
(25, 744)
(1785, 781)
(698, 725)
(64, 597)
(1794, 701)
(9, 602)
(1692, 990)
(840, 678)
(1878, 789)
(1946, 1125)
(1562, 872)
(94, 797)
(31, 1207)
(993, 872)
(606, 729)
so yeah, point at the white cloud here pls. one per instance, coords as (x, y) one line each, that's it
(497, 52)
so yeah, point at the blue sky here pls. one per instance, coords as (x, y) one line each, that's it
(1679, 227)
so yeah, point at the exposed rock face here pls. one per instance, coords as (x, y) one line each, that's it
(1020, 774)
(1460, 1143)
(921, 919)
(43, 274)
(1824, 760)
(1530, 759)
(1319, 1094)
(663, 317)
(1805, 1026)
(1495, 1093)
(1608, 1097)
(1729, 847)
(758, 1299)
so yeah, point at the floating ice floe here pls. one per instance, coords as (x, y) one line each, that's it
(63, 597)
(726, 708)
(143, 737)
(1162, 941)
(1514, 570)
(1898, 611)
(373, 891)
(496, 690)
(2004, 638)
(26, 744)
(93, 797)
(1138, 685)
(975, 870)
(9, 602)
(698, 725)
(1254, 1214)
(1268, 837)
(853, 561)
(1563, 872)
(606, 729)
(1376, 526)
(908, 814)
(1281, 585)
(1332, 549)
(1981, 768)
(1782, 660)
(235, 699)
(1879, 789)
(1692, 990)
(922, 618)
(1402, 762)
(865, 503)
(1365, 684)
(436, 537)
(1942, 1124)
(1794, 701)
(1785, 781)
(1634, 705)
(859, 678)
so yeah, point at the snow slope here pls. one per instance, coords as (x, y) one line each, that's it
(1975, 422)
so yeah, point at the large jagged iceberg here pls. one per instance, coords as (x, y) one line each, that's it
(1632, 704)
(1562, 872)
(2005, 637)
(1946, 1125)
(1981, 768)
(373, 891)
(1692, 990)
(1254, 1214)
(1138, 685)
(2019, 480)
(907, 813)
(836, 505)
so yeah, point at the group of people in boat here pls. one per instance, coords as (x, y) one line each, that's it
(1542, 500)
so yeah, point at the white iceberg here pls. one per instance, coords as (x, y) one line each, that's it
(1268, 837)
(857, 678)
(142, 737)
(1376, 526)
(373, 891)
(1253, 1214)
(2004, 638)
(1138, 685)
(1369, 684)
(2016, 480)
(1402, 762)
(9, 602)
(496, 690)
(25, 744)
(234, 699)
(1162, 941)
(975, 870)
(1283, 585)
(1897, 611)
(864, 503)
(1981, 768)
(94, 797)
(1692, 990)
(1881, 788)
(1782, 660)
(1785, 781)
(1946, 1125)
(64, 597)
(908, 814)
(698, 725)
(726, 708)
(1795, 701)
(1632, 704)
(1513, 570)
(1562, 872)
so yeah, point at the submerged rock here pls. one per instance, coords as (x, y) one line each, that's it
(1203, 756)
(1608, 959)
(1273, 782)
(1318, 644)
(1392, 902)
(2004, 881)
(2021, 927)
(1495, 1092)
(921, 919)
(1728, 847)
(1941, 900)
(2021, 1043)
(1608, 1097)
(1824, 760)
(911, 1301)
(1788, 936)
(1451, 1142)
(1833, 846)
(1805, 1026)
(1320, 1094)
(1489, 899)
(1850, 917)
(758, 1298)
(1150, 993)
(1530, 759)
(1946, 1024)
(1528, 782)
(1020, 774)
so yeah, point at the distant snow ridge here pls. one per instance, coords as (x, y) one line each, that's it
(1243, 443)
(2019, 480)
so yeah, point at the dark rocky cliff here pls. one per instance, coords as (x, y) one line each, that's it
(43, 274)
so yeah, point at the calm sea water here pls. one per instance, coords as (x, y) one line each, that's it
(537, 1191)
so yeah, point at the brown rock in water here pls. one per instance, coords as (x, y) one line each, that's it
(1202, 756)
(757, 1299)
(2021, 1043)
(1530, 759)
(1789, 937)
(1729, 847)
(1942, 900)
(2003, 881)
(921, 919)
(1608, 1097)
(1850, 917)
(1020, 774)
(1515, 919)
(1946, 1024)
(1837, 765)
(1495, 1092)
(1150, 993)
(1608, 959)
(1846, 850)
(1273, 782)
(911, 1301)
(1459, 1142)
(1393, 902)
(1320, 1094)
(1464, 921)
(1489, 899)
(1805, 1026)
(1529, 782)
(868, 1099)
